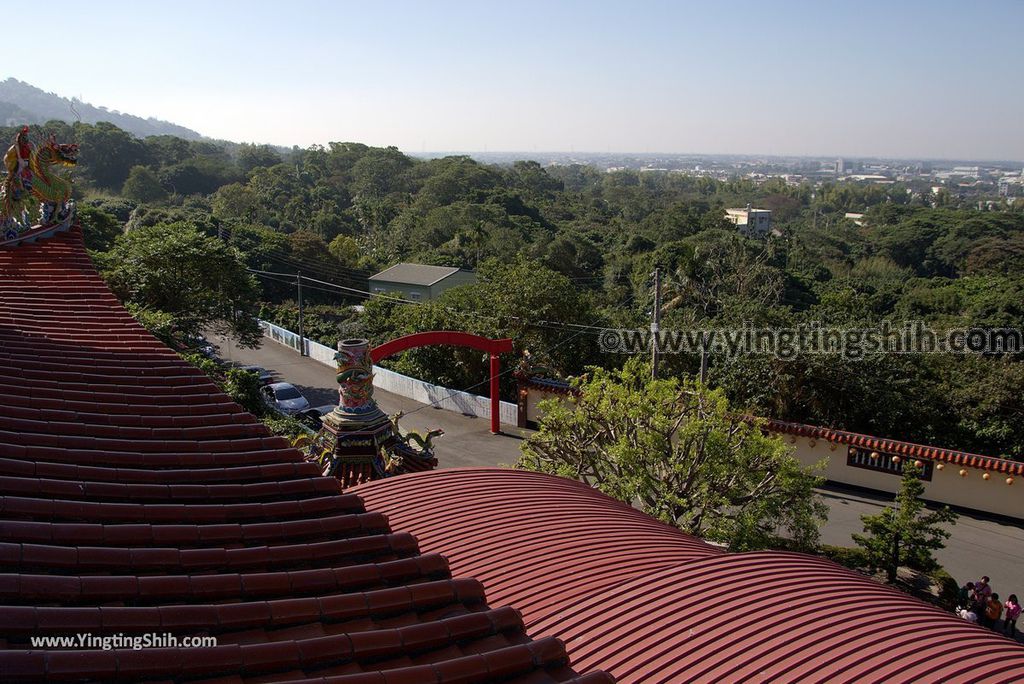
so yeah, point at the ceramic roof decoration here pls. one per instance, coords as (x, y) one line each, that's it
(33, 178)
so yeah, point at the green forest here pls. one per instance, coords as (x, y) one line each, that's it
(561, 252)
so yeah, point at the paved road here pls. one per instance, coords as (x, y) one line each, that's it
(467, 440)
(977, 547)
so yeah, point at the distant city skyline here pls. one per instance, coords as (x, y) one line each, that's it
(912, 80)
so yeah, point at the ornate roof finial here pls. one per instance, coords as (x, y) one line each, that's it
(31, 176)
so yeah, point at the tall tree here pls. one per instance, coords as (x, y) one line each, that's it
(674, 448)
(254, 156)
(905, 533)
(185, 280)
(108, 153)
(143, 186)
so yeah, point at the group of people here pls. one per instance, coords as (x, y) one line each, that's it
(978, 603)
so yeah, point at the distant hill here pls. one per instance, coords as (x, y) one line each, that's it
(22, 103)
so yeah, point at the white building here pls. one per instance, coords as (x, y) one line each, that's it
(750, 221)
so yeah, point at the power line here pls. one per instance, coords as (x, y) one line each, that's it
(507, 371)
(296, 260)
(320, 265)
(338, 267)
(326, 270)
(334, 269)
(550, 325)
(340, 287)
(291, 281)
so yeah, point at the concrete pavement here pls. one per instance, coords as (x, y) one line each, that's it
(467, 440)
(978, 546)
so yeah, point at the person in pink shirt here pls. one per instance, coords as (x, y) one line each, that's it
(1012, 613)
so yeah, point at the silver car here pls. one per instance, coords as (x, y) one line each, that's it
(283, 397)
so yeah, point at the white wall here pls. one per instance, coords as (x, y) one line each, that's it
(396, 383)
(947, 486)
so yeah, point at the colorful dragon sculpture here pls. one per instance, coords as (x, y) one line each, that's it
(425, 443)
(403, 457)
(355, 375)
(30, 177)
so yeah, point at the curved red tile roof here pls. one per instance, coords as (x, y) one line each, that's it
(648, 603)
(136, 498)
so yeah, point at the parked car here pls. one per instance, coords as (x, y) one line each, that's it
(313, 417)
(283, 397)
(195, 344)
(200, 344)
(266, 377)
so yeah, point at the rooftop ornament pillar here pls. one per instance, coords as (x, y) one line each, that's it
(355, 380)
(358, 442)
(356, 436)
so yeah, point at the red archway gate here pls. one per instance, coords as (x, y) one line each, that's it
(457, 339)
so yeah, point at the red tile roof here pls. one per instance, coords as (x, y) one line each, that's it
(892, 446)
(137, 498)
(648, 603)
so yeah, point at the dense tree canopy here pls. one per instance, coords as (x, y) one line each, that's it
(563, 247)
(677, 451)
(191, 282)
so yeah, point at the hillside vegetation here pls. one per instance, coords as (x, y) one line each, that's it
(562, 248)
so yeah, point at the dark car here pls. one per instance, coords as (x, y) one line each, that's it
(266, 377)
(313, 417)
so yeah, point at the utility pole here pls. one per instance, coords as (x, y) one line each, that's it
(655, 323)
(302, 338)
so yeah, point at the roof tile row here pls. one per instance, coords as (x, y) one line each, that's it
(648, 603)
(135, 498)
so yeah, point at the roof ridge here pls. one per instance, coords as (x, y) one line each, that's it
(40, 232)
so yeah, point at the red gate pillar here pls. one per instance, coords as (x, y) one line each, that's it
(495, 400)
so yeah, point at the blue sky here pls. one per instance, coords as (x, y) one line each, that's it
(915, 79)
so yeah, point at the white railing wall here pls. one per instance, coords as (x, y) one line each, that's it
(396, 383)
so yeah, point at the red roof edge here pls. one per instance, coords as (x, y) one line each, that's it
(890, 445)
(839, 436)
